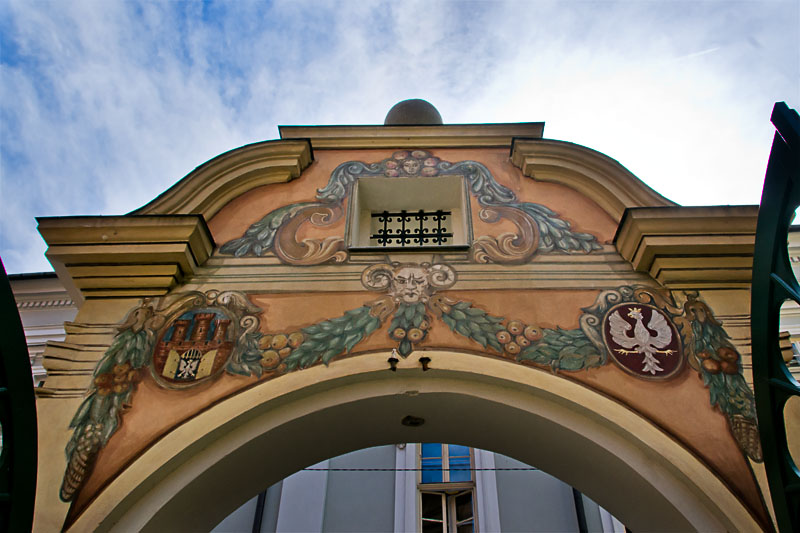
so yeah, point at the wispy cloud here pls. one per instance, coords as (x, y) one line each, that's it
(103, 105)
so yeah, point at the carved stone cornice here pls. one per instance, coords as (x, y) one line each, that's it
(587, 171)
(51, 303)
(213, 184)
(691, 247)
(123, 256)
(444, 136)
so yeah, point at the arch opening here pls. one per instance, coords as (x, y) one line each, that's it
(206, 468)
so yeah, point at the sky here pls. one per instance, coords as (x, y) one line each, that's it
(106, 104)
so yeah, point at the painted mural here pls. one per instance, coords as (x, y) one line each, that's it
(189, 341)
(198, 336)
(538, 229)
(222, 333)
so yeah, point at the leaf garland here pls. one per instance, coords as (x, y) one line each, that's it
(472, 322)
(260, 236)
(327, 339)
(563, 349)
(555, 233)
(98, 417)
(720, 366)
(409, 325)
(728, 390)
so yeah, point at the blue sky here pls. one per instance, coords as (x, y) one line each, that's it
(103, 105)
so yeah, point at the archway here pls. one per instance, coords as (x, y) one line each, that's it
(206, 467)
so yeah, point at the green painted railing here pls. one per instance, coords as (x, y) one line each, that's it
(17, 417)
(773, 283)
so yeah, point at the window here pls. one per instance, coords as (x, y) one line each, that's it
(446, 489)
(404, 228)
(409, 214)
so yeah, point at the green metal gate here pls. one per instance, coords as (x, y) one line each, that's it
(773, 283)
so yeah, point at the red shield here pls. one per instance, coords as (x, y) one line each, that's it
(193, 347)
(642, 340)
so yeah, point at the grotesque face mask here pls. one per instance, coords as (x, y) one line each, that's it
(409, 285)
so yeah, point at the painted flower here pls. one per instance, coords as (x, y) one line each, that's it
(429, 171)
(419, 154)
(402, 154)
(431, 162)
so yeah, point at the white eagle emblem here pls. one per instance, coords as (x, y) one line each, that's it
(642, 341)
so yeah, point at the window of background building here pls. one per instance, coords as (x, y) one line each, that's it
(446, 489)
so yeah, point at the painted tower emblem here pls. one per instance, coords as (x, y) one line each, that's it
(642, 340)
(194, 346)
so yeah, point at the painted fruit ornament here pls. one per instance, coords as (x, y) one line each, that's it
(512, 348)
(515, 327)
(415, 334)
(279, 341)
(296, 338)
(704, 354)
(532, 333)
(727, 354)
(503, 336)
(711, 366)
(270, 359)
(265, 342)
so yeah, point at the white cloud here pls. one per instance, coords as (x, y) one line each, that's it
(104, 105)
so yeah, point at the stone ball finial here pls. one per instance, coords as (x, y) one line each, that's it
(414, 112)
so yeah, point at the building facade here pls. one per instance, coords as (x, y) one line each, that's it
(350, 288)
(377, 489)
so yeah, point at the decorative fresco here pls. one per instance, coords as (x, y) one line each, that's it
(184, 344)
(210, 345)
(538, 229)
(195, 337)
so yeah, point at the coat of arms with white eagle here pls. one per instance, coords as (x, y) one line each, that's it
(642, 340)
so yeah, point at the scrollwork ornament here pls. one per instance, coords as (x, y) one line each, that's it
(377, 277)
(440, 276)
(540, 230)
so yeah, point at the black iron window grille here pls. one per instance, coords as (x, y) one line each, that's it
(416, 228)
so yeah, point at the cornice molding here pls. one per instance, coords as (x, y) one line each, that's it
(587, 171)
(213, 184)
(691, 247)
(444, 136)
(46, 304)
(124, 256)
